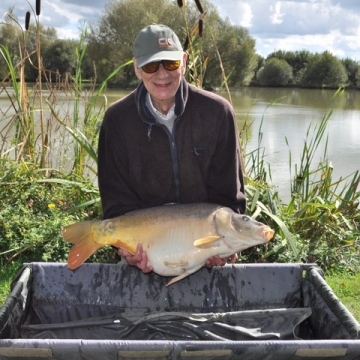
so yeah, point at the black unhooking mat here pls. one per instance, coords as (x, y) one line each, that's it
(118, 302)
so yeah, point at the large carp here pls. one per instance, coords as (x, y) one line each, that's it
(178, 239)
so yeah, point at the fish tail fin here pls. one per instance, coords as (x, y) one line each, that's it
(85, 245)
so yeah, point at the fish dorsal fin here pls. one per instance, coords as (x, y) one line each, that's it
(206, 241)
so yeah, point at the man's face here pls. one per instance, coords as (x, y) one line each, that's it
(162, 84)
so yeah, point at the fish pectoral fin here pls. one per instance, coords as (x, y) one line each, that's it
(177, 278)
(207, 241)
(175, 265)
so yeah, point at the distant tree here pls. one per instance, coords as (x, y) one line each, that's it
(298, 60)
(276, 72)
(299, 63)
(351, 67)
(238, 54)
(110, 40)
(325, 70)
(11, 38)
(59, 58)
(22, 44)
(357, 76)
(259, 65)
(229, 46)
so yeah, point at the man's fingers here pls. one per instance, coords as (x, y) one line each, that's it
(218, 261)
(139, 259)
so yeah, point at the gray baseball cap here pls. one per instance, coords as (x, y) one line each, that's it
(156, 42)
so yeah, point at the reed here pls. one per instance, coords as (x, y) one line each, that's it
(23, 112)
(197, 60)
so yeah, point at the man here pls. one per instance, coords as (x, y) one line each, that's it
(167, 141)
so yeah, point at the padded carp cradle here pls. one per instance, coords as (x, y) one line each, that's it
(250, 311)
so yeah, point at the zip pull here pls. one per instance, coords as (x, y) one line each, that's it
(149, 131)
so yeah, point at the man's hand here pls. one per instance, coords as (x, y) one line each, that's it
(139, 259)
(218, 261)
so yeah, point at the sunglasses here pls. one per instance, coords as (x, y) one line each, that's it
(153, 67)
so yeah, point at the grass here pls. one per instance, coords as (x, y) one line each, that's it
(347, 289)
(7, 274)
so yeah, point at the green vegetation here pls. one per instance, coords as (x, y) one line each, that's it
(7, 274)
(35, 208)
(48, 153)
(310, 70)
(347, 288)
(324, 70)
(276, 72)
(321, 221)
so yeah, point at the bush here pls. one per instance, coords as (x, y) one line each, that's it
(34, 210)
(276, 72)
(325, 70)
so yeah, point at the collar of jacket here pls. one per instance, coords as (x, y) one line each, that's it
(180, 101)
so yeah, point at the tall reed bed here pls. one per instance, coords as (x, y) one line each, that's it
(321, 221)
(44, 118)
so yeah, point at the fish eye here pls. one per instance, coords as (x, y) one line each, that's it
(245, 218)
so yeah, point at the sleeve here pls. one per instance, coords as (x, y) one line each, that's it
(226, 181)
(117, 196)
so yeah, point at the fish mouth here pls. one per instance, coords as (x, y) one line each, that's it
(268, 233)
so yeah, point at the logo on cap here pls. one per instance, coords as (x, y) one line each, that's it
(165, 43)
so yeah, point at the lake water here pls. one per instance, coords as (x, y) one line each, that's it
(289, 117)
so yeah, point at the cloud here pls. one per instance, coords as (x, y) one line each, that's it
(277, 16)
(239, 13)
(95, 4)
(315, 25)
(246, 14)
(64, 15)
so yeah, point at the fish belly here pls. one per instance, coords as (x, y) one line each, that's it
(174, 253)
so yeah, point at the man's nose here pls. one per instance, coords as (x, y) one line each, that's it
(161, 71)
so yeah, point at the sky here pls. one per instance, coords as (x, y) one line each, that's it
(314, 25)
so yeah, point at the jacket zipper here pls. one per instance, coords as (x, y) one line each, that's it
(174, 157)
(175, 163)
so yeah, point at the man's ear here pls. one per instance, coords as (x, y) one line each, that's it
(137, 70)
(185, 57)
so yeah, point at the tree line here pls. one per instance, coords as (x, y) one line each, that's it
(221, 51)
(305, 69)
